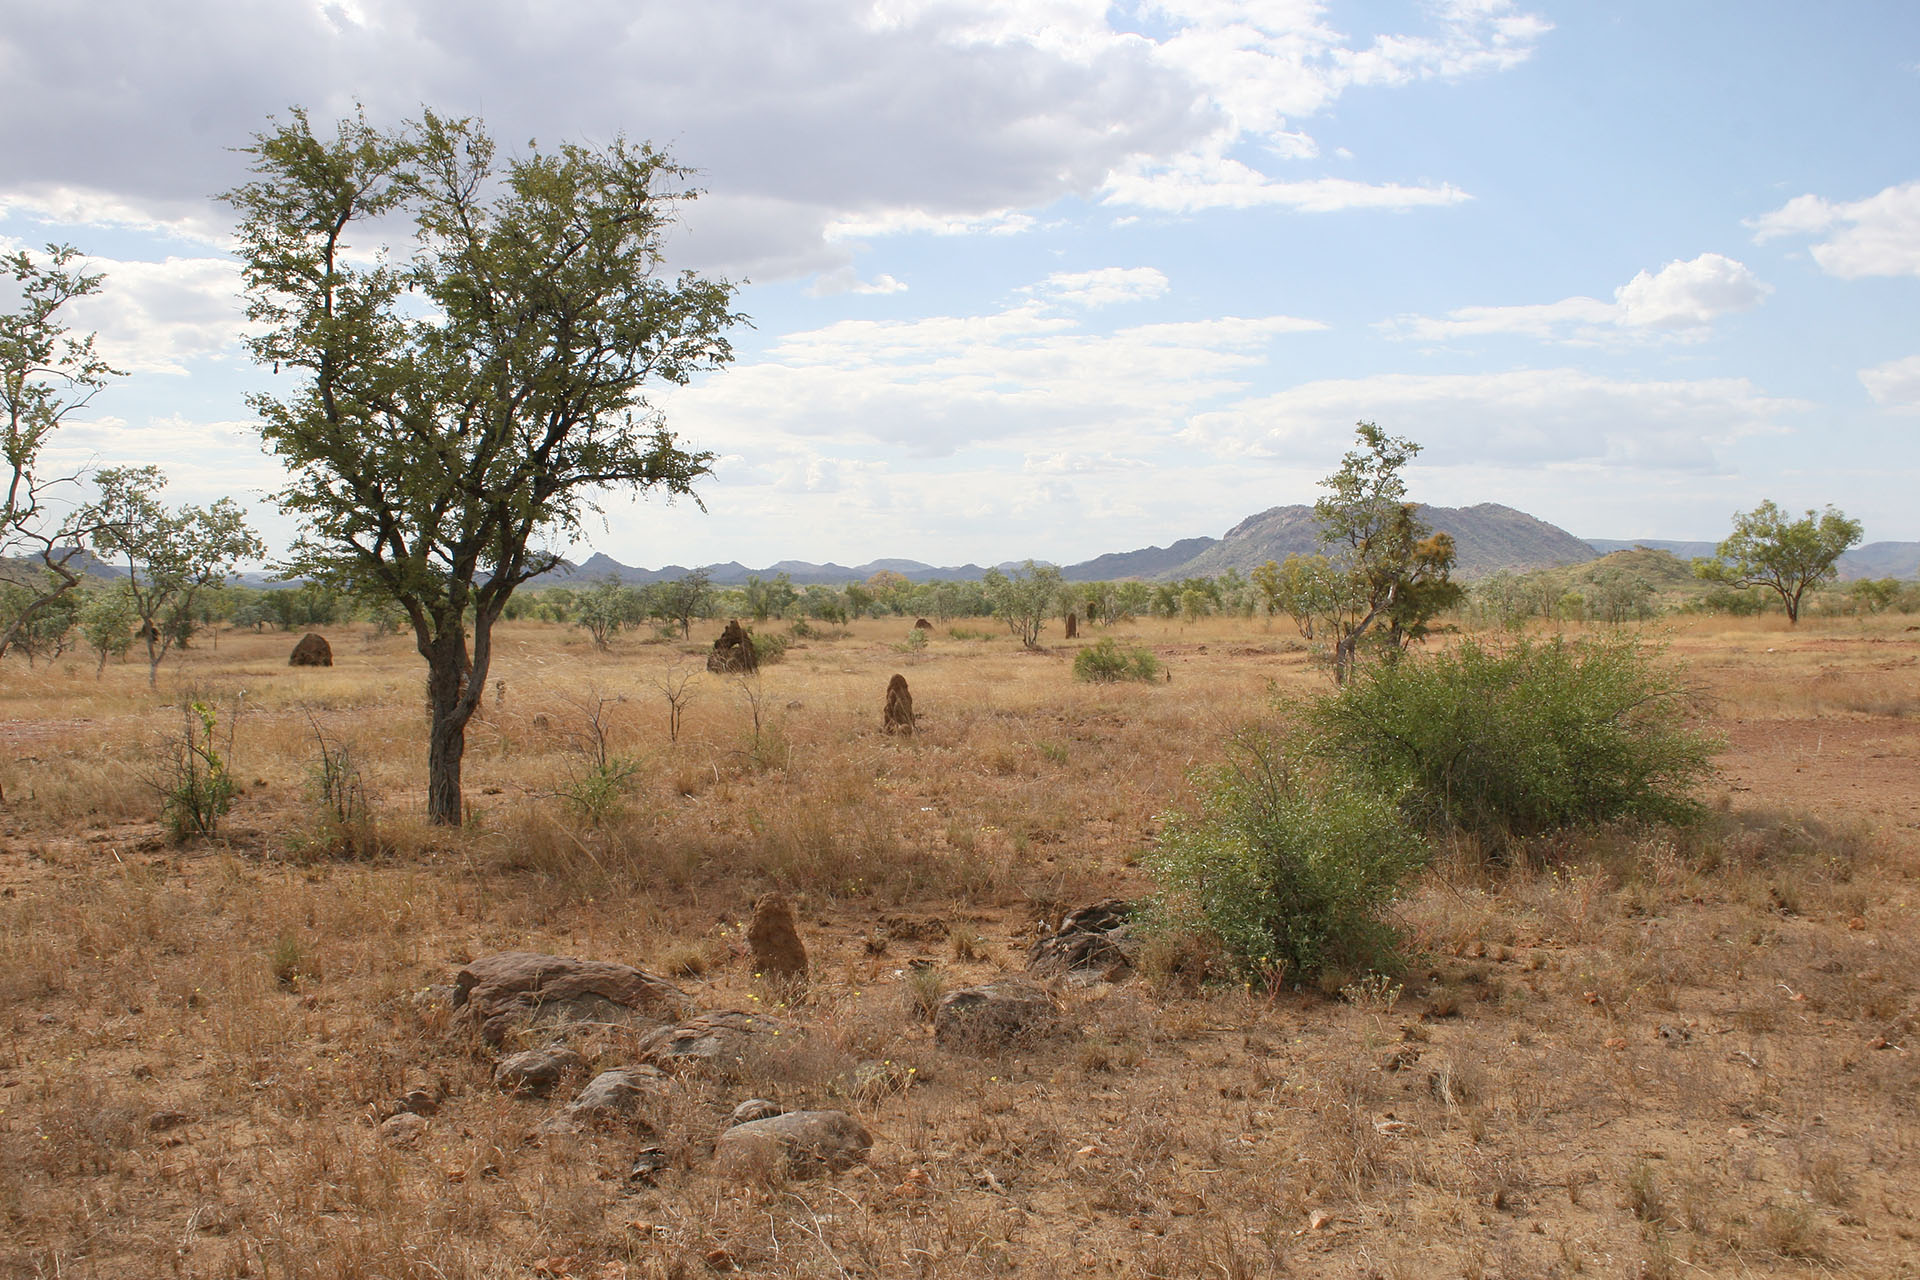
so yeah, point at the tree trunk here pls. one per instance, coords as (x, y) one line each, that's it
(449, 710)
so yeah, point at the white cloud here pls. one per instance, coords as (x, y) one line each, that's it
(159, 317)
(939, 384)
(1895, 384)
(813, 125)
(1681, 299)
(1877, 236)
(1531, 417)
(1104, 286)
(844, 280)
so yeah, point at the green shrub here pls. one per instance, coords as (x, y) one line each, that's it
(769, 647)
(1513, 740)
(1289, 864)
(196, 789)
(1107, 662)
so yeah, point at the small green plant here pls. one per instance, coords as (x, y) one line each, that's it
(968, 633)
(339, 795)
(1375, 993)
(1289, 864)
(286, 960)
(916, 642)
(598, 779)
(925, 986)
(1514, 740)
(1107, 662)
(196, 789)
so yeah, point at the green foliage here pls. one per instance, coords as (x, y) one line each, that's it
(1389, 570)
(461, 398)
(1289, 865)
(171, 555)
(46, 374)
(106, 621)
(769, 646)
(1529, 737)
(35, 612)
(1024, 601)
(1786, 556)
(1107, 662)
(195, 785)
(604, 609)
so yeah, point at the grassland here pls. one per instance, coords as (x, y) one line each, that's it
(1636, 1052)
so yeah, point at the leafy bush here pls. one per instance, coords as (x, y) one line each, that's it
(769, 646)
(1533, 736)
(1106, 662)
(1289, 864)
(196, 788)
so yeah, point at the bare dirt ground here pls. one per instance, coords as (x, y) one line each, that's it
(1640, 1052)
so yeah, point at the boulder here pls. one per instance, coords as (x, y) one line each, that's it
(312, 651)
(404, 1129)
(733, 651)
(610, 1098)
(898, 715)
(800, 1144)
(514, 989)
(753, 1109)
(1096, 941)
(533, 1073)
(999, 1015)
(775, 938)
(713, 1042)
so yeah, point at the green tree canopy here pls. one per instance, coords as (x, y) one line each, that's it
(46, 374)
(1787, 556)
(464, 394)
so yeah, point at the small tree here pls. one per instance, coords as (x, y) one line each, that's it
(464, 396)
(46, 375)
(682, 600)
(769, 597)
(1767, 549)
(603, 610)
(1391, 571)
(1024, 601)
(106, 620)
(170, 556)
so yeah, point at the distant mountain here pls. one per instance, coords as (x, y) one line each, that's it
(1874, 560)
(1148, 562)
(1487, 538)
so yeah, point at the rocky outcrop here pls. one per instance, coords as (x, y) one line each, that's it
(513, 990)
(798, 1144)
(999, 1015)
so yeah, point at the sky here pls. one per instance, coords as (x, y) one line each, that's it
(1054, 278)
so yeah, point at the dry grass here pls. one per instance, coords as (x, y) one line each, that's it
(1624, 1052)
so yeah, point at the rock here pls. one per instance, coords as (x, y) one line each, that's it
(733, 651)
(1073, 626)
(898, 716)
(715, 1042)
(998, 1015)
(921, 624)
(1095, 940)
(515, 989)
(404, 1129)
(775, 938)
(534, 1072)
(618, 1092)
(312, 651)
(799, 1144)
(753, 1109)
(418, 1102)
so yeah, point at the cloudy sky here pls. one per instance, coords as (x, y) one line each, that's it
(1056, 277)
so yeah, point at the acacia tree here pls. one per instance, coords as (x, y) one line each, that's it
(47, 374)
(170, 556)
(465, 395)
(1389, 569)
(1024, 601)
(1767, 549)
